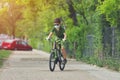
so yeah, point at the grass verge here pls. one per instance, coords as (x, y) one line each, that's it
(3, 55)
(108, 63)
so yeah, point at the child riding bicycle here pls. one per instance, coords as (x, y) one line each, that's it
(59, 31)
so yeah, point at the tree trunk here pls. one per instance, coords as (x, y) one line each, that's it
(72, 12)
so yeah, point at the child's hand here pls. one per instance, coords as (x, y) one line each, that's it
(47, 38)
(64, 39)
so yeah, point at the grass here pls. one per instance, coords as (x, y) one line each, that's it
(3, 55)
(109, 63)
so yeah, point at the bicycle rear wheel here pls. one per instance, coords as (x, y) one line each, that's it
(61, 63)
(52, 61)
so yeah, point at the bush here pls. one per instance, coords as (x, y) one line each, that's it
(112, 64)
(109, 63)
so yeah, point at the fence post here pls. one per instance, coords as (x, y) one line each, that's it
(113, 41)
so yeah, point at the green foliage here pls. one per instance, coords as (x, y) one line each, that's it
(34, 42)
(110, 8)
(89, 14)
(108, 63)
(112, 63)
(95, 61)
(3, 55)
(76, 39)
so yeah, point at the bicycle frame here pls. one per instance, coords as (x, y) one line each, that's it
(57, 46)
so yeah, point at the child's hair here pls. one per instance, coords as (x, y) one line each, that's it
(57, 20)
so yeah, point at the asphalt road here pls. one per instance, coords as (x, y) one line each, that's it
(33, 65)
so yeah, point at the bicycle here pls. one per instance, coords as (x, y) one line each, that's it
(56, 56)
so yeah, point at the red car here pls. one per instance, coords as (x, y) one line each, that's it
(15, 45)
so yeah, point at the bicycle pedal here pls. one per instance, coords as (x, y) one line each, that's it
(64, 61)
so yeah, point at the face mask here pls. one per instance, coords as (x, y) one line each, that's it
(56, 26)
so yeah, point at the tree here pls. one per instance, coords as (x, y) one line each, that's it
(10, 16)
(41, 15)
(111, 10)
(72, 12)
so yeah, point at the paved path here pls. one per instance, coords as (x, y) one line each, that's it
(33, 65)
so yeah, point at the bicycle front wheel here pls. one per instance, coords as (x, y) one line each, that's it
(61, 63)
(52, 61)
